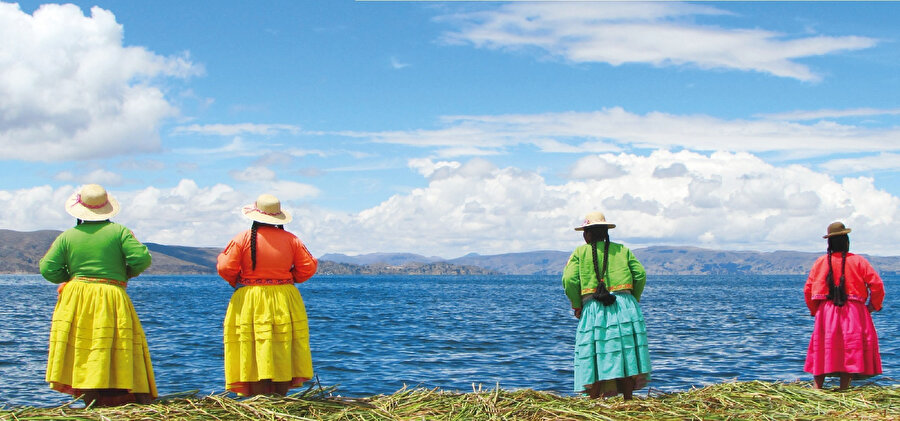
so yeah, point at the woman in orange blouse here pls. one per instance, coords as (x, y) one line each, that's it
(266, 332)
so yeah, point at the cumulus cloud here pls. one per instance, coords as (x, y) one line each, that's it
(595, 167)
(660, 33)
(427, 167)
(675, 170)
(70, 89)
(185, 214)
(723, 200)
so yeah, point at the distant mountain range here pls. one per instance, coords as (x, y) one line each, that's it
(20, 252)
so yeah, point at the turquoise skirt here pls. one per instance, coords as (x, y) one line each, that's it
(610, 344)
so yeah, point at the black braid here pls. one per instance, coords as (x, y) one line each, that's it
(841, 298)
(602, 294)
(253, 229)
(837, 294)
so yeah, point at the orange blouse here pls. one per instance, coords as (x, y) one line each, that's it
(861, 281)
(280, 255)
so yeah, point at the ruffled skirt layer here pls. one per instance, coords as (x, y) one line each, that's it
(844, 340)
(97, 342)
(266, 337)
(610, 344)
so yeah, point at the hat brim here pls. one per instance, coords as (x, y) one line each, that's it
(833, 234)
(601, 224)
(78, 210)
(250, 212)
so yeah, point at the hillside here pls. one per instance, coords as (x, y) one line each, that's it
(20, 252)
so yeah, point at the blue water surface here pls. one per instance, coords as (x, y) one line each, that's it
(378, 334)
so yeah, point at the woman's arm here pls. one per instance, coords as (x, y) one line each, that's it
(228, 263)
(638, 276)
(53, 264)
(876, 287)
(572, 282)
(137, 257)
(305, 264)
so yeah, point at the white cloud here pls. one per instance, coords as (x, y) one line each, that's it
(237, 147)
(70, 90)
(830, 114)
(397, 64)
(660, 33)
(595, 167)
(289, 190)
(881, 162)
(612, 129)
(253, 174)
(97, 176)
(675, 170)
(142, 164)
(265, 180)
(722, 200)
(237, 129)
(427, 167)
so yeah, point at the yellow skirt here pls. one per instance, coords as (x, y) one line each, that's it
(266, 337)
(97, 342)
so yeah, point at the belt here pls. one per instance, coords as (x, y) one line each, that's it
(588, 297)
(850, 297)
(263, 282)
(121, 284)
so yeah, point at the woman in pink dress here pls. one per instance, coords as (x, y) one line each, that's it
(844, 342)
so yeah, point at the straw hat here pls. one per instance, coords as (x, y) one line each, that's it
(836, 228)
(595, 219)
(92, 203)
(267, 210)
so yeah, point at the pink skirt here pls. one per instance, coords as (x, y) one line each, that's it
(843, 341)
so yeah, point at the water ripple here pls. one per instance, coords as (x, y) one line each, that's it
(372, 335)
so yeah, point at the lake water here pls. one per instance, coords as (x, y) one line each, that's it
(377, 334)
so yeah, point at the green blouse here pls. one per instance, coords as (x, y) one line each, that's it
(95, 250)
(624, 272)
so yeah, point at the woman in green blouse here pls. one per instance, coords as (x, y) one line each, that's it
(604, 281)
(97, 345)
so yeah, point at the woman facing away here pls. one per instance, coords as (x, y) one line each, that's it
(844, 342)
(604, 281)
(265, 331)
(97, 345)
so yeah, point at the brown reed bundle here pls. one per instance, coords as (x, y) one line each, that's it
(754, 400)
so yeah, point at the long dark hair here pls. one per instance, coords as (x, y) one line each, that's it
(837, 293)
(601, 233)
(253, 229)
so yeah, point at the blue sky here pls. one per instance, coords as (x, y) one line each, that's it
(444, 128)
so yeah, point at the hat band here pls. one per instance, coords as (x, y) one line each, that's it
(255, 209)
(79, 202)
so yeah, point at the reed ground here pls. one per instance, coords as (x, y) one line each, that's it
(754, 400)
